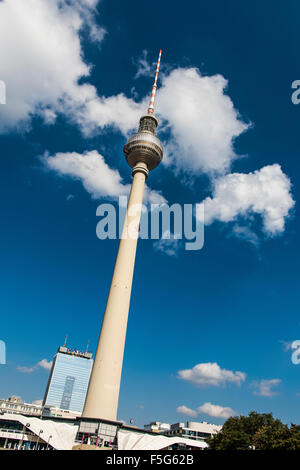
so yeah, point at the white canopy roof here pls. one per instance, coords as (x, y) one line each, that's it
(63, 435)
(140, 441)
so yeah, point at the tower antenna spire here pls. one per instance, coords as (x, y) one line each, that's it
(154, 88)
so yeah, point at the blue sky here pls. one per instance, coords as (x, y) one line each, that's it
(76, 86)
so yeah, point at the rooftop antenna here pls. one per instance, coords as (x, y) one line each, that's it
(65, 341)
(154, 88)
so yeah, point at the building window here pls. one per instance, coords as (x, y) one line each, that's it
(67, 394)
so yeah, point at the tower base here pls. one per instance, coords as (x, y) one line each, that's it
(96, 433)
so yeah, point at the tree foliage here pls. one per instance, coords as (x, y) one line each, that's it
(256, 431)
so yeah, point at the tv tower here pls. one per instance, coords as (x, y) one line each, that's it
(143, 152)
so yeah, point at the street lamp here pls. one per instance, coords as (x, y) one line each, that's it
(41, 432)
(27, 425)
(48, 442)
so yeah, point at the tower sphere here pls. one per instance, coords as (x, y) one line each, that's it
(144, 146)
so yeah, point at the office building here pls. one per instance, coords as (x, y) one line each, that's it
(69, 379)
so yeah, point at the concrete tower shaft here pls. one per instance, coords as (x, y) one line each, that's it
(143, 152)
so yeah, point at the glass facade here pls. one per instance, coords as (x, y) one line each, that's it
(189, 434)
(68, 381)
(98, 433)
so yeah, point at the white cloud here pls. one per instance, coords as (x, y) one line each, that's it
(245, 233)
(286, 345)
(153, 197)
(90, 168)
(26, 370)
(44, 364)
(41, 63)
(209, 409)
(202, 120)
(143, 66)
(37, 402)
(96, 176)
(167, 244)
(264, 387)
(216, 411)
(210, 373)
(92, 112)
(265, 192)
(184, 410)
(41, 56)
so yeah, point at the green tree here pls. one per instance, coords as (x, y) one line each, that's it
(281, 439)
(256, 431)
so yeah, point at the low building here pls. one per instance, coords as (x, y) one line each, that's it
(14, 405)
(52, 412)
(157, 426)
(154, 436)
(198, 431)
(27, 426)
